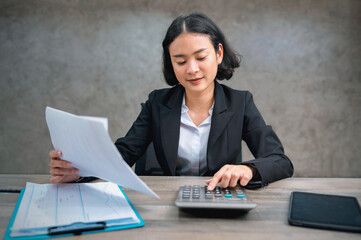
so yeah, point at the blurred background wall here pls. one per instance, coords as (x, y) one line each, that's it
(301, 61)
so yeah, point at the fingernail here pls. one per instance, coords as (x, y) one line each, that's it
(68, 164)
(58, 152)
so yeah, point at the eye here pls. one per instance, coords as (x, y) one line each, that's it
(201, 58)
(181, 63)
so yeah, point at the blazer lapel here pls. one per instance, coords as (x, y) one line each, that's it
(170, 114)
(220, 119)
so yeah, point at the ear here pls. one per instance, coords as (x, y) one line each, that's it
(219, 54)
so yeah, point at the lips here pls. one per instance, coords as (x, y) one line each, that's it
(194, 80)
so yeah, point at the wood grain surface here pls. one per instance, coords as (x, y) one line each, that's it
(165, 221)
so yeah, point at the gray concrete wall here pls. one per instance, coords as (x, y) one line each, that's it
(301, 61)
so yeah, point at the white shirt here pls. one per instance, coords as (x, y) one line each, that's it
(193, 141)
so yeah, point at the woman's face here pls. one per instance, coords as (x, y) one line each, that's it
(195, 61)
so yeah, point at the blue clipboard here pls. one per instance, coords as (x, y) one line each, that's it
(46, 236)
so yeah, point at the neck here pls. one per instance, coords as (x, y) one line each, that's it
(199, 101)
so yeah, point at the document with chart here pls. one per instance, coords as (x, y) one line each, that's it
(85, 142)
(53, 205)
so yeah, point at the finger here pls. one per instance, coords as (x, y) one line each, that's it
(63, 171)
(216, 178)
(237, 172)
(212, 183)
(59, 175)
(245, 179)
(59, 163)
(55, 154)
(234, 180)
(225, 179)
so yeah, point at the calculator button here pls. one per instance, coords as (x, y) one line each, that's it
(218, 195)
(208, 196)
(241, 196)
(195, 195)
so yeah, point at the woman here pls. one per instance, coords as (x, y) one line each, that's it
(197, 126)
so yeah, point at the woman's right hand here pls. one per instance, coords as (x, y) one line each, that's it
(61, 171)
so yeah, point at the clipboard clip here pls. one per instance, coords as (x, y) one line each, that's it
(76, 228)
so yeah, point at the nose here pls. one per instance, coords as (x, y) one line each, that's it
(192, 67)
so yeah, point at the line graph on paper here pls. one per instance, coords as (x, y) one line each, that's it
(113, 202)
(46, 205)
(92, 202)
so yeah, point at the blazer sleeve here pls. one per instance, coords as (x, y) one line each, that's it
(134, 144)
(270, 160)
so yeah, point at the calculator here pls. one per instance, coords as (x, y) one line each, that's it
(196, 196)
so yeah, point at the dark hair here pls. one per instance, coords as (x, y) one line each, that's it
(199, 23)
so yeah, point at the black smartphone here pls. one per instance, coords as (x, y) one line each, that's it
(324, 211)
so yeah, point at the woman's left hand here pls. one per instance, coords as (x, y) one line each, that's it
(229, 175)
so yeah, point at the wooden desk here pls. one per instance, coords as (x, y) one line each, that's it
(165, 221)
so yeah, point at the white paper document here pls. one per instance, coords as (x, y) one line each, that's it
(85, 142)
(49, 205)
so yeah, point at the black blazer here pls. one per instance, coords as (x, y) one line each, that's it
(235, 118)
